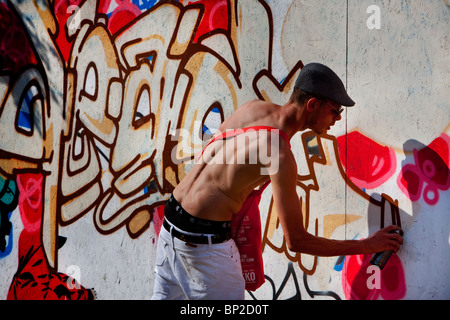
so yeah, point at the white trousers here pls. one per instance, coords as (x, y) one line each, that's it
(206, 271)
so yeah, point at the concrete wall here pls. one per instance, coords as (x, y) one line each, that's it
(93, 94)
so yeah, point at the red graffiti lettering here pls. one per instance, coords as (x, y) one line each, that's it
(368, 163)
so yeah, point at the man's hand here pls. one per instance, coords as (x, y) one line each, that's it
(389, 238)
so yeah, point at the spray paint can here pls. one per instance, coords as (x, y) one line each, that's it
(381, 258)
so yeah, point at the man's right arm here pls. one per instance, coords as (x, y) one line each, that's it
(298, 239)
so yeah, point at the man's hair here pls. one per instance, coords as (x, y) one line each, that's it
(300, 97)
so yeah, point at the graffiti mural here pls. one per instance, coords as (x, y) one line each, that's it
(103, 105)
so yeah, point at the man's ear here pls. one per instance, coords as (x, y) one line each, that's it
(311, 104)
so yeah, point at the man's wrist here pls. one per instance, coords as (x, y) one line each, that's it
(365, 246)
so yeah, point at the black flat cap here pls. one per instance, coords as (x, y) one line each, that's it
(322, 82)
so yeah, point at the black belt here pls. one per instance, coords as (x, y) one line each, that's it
(200, 239)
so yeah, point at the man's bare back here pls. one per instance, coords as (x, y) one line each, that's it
(228, 178)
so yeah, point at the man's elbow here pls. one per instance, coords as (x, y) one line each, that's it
(296, 247)
(297, 243)
(291, 247)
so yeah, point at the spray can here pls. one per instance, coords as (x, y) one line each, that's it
(381, 258)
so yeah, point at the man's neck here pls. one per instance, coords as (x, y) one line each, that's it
(293, 118)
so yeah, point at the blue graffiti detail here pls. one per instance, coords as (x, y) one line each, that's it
(144, 4)
(9, 198)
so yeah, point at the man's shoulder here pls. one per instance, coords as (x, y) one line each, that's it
(259, 104)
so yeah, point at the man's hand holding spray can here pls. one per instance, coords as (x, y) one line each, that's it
(381, 258)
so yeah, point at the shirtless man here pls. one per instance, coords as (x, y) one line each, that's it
(192, 266)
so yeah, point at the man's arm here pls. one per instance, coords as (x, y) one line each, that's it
(287, 205)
